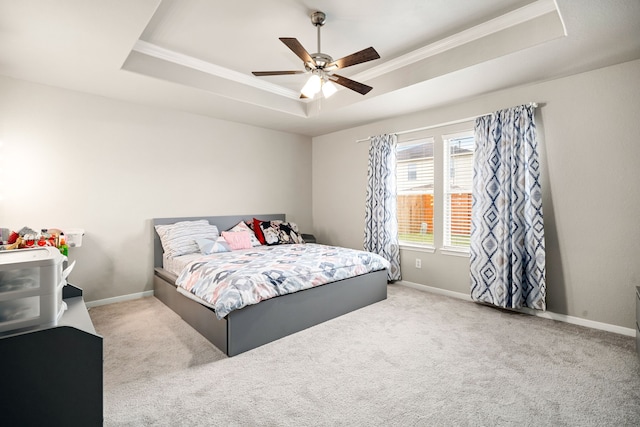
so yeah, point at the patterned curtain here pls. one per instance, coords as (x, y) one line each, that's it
(507, 231)
(381, 222)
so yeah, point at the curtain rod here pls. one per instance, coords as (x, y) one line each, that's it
(455, 122)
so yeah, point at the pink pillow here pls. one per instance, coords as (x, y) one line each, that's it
(237, 239)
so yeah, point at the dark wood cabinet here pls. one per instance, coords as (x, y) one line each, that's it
(53, 375)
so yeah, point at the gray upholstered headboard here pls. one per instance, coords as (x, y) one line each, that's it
(222, 222)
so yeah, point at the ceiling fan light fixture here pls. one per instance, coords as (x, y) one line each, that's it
(312, 86)
(328, 89)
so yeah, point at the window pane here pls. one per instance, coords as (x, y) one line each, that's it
(457, 189)
(415, 191)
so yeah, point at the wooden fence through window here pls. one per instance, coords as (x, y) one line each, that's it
(416, 210)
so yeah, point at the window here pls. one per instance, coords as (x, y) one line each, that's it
(415, 191)
(434, 177)
(458, 178)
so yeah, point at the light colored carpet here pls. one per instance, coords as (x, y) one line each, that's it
(416, 359)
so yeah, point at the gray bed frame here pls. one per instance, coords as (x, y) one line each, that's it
(256, 325)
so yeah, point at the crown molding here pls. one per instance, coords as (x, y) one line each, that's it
(503, 22)
(156, 51)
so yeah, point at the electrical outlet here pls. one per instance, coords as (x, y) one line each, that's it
(418, 263)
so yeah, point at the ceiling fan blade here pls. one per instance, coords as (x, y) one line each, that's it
(297, 48)
(275, 73)
(351, 84)
(368, 54)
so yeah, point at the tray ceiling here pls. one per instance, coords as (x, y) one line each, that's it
(197, 55)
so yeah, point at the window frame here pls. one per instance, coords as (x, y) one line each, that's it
(430, 246)
(438, 134)
(448, 218)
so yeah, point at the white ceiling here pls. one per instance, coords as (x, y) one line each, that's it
(197, 55)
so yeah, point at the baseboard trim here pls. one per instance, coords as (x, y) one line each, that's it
(544, 314)
(453, 294)
(121, 298)
(439, 291)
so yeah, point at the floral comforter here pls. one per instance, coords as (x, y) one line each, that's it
(232, 280)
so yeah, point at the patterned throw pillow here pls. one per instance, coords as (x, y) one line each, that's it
(279, 232)
(255, 226)
(213, 246)
(180, 238)
(242, 226)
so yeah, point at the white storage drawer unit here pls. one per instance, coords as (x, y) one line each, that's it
(31, 282)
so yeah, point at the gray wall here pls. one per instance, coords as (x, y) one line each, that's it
(77, 160)
(588, 127)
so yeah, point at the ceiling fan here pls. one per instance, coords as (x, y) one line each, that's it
(322, 66)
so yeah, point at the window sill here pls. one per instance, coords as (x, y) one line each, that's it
(455, 252)
(418, 248)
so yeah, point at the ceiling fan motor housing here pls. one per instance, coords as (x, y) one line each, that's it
(321, 59)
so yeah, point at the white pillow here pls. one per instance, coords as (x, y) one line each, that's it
(180, 238)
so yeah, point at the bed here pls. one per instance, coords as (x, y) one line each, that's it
(271, 319)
